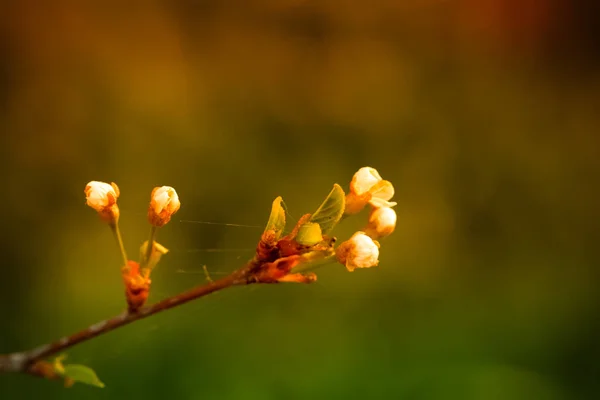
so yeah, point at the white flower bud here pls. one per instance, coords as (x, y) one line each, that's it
(102, 197)
(164, 202)
(367, 187)
(360, 251)
(381, 193)
(363, 180)
(382, 222)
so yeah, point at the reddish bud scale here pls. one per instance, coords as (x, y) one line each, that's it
(289, 247)
(137, 286)
(275, 258)
(267, 250)
(273, 272)
(44, 369)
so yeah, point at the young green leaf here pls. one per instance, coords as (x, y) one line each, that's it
(309, 234)
(83, 374)
(277, 218)
(331, 210)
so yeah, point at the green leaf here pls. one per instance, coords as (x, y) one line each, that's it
(331, 210)
(277, 218)
(309, 234)
(83, 374)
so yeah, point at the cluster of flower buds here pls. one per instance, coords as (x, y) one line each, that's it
(368, 188)
(293, 257)
(164, 202)
(290, 258)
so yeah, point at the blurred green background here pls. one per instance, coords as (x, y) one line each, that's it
(484, 115)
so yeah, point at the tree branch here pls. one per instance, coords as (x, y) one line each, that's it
(277, 259)
(26, 361)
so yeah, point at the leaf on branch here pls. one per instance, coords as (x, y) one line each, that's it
(83, 374)
(277, 218)
(330, 211)
(75, 373)
(309, 234)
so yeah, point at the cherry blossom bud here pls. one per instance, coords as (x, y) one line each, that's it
(364, 179)
(360, 251)
(102, 197)
(382, 222)
(381, 193)
(164, 202)
(366, 187)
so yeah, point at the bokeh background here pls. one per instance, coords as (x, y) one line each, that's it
(484, 115)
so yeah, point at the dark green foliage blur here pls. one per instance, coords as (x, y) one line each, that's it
(484, 115)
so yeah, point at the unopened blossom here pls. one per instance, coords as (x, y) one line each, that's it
(367, 187)
(360, 251)
(102, 197)
(382, 222)
(381, 193)
(164, 202)
(364, 179)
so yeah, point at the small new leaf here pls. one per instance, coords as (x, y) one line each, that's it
(277, 218)
(331, 210)
(158, 250)
(309, 234)
(83, 374)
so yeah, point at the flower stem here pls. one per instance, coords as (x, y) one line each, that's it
(117, 232)
(150, 246)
